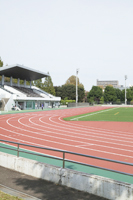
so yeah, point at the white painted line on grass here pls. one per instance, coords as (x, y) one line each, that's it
(92, 114)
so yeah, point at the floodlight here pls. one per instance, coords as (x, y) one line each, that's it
(125, 90)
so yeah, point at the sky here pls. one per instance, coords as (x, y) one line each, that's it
(60, 36)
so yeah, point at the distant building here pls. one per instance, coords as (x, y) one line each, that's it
(122, 87)
(112, 83)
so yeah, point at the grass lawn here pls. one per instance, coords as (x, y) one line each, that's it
(121, 114)
(4, 196)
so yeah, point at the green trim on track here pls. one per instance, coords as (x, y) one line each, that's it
(112, 114)
(36, 110)
(69, 165)
(33, 110)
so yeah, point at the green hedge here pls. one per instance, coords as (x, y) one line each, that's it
(65, 102)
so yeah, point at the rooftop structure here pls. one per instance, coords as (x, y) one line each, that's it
(23, 95)
(103, 84)
(21, 72)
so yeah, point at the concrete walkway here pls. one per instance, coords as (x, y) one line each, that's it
(40, 188)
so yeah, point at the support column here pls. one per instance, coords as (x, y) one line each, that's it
(25, 83)
(24, 105)
(11, 81)
(16, 103)
(30, 84)
(2, 79)
(18, 83)
(77, 70)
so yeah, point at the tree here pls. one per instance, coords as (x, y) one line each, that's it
(91, 100)
(95, 93)
(129, 94)
(69, 91)
(70, 86)
(58, 91)
(118, 93)
(38, 83)
(1, 65)
(85, 97)
(48, 85)
(123, 95)
(101, 100)
(72, 80)
(1, 62)
(110, 94)
(81, 93)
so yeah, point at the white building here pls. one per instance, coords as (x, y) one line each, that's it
(24, 96)
(103, 84)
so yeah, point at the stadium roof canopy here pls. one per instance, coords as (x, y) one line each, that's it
(21, 72)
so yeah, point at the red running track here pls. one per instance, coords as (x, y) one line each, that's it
(112, 140)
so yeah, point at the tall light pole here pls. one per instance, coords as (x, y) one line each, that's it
(77, 70)
(125, 90)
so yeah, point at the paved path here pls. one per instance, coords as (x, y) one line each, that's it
(40, 188)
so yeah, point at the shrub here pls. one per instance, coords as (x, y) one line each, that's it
(65, 101)
(101, 100)
(91, 100)
(118, 101)
(131, 102)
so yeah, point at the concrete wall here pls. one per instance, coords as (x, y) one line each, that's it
(10, 103)
(97, 185)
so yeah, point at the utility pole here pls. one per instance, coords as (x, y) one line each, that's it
(125, 90)
(77, 70)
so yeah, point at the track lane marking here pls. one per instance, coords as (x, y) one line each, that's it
(79, 147)
(91, 127)
(45, 135)
(95, 144)
(84, 131)
(74, 133)
(84, 145)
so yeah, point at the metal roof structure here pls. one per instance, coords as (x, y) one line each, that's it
(21, 72)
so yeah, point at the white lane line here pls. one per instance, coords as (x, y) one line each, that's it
(77, 137)
(85, 148)
(25, 141)
(35, 138)
(66, 123)
(104, 133)
(86, 139)
(43, 134)
(84, 145)
(91, 128)
(56, 148)
(93, 113)
(93, 133)
(85, 134)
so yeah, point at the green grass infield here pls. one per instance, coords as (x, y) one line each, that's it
(121, 114)
(4, 196)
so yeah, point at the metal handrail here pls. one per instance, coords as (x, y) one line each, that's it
(63, 158)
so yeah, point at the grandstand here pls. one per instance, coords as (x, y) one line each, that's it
(23, 95)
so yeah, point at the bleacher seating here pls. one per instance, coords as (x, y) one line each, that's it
(28, 91)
